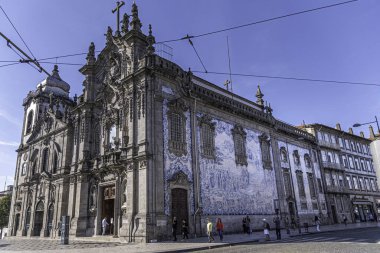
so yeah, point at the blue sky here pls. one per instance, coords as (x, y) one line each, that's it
(340, 43)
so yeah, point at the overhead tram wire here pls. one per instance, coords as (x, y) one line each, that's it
(30, 51)
(196, 52)
(233, 74)
(257, 22)
(288, 78)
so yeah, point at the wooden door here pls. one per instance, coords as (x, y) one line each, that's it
(180, 207)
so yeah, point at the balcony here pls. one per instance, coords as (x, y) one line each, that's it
(112, 158)
(331, 165)
(329, 144)
(336, 189)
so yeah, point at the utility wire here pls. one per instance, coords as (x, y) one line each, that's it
(227, 74)
(288, 78)
(17, 31)
(257, 22)
(191, 43)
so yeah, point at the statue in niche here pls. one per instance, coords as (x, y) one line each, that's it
(114, 70)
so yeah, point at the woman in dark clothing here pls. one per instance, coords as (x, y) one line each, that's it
(185, 230)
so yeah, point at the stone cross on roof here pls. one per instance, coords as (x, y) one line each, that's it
(117, 9)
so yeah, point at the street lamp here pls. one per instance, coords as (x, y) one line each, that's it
(361, 124)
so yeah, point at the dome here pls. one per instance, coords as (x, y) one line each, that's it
(55, 84)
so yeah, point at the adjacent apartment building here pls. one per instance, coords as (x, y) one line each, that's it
(349, 177)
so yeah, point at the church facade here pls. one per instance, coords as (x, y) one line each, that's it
(147, 141)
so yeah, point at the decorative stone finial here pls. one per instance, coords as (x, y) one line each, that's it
(259, 96)
(108, 35)
(135, 23)
(350, 130)
(91, 54)
(151, 40)
(55, 72)
(125, 23)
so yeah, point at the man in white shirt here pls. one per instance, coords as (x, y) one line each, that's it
(104, 225)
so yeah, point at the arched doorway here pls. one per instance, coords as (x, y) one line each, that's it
(27, 220)
(179, 206)
(50, 220)
(17, 224)
(38, 219)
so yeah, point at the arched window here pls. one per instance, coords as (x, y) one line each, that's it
(55, 163)
(284, 155)
(45, 159)
(29, 122)
(23, 169)
(239, 136)
(307, 160)
(34, 166)
(207, 136)
(296, 157)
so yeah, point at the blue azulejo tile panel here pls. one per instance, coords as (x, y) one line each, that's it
(227, 188)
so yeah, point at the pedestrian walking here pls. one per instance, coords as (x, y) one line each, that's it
(248, 225)
(220, 228)
(104, 225)
(185, 230)
(244, 225)
(317, 223)
(266, 230)
(111, 226)
(209, 230)
(174, 228)
(293, 223)
(277, 223)
(345, 220)
(287, 225)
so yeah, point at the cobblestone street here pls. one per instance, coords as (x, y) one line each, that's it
(339, 237)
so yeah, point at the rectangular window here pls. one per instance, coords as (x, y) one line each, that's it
(341, 183)
(353, 146)
(287, 183)
(301, 186)
(368, 166)
(311, 185)
(347, 144)
(355, 180)
(348, 178)
(357, 164)
(328, 178)
(303, 205)
(315, 206)
(362, 165)
(361, 185)
(373, 185)
(345, 163)
(341, 143)
(319, 185)
(351, 162)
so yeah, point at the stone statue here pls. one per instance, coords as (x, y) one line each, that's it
(109, 36)
(125, 23)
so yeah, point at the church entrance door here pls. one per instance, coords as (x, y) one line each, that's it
(50, 220)
(17, 223)
(179, 207)
(38, 218)
(108, 207)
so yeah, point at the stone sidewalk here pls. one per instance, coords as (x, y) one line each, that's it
(98, 244)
